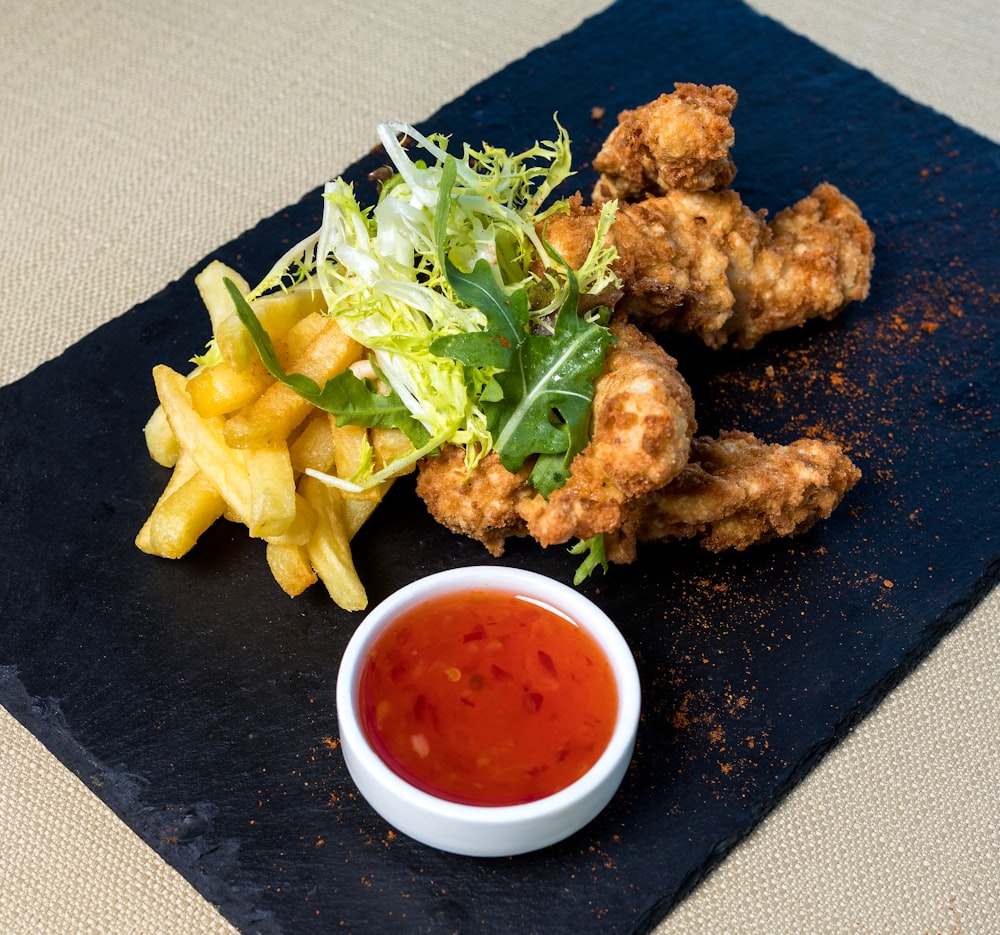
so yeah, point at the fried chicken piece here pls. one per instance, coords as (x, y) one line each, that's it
(737, 490)
(642, 424)
(679, 141)
(641, 429)
(481, 504)
(817, 259)
(702, 263)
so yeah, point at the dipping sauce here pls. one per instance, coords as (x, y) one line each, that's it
(485, 697)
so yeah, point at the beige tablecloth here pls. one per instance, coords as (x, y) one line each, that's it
(138, 136)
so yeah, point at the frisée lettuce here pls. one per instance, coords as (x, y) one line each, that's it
(470, 319)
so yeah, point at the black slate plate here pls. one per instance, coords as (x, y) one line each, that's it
(198, 701)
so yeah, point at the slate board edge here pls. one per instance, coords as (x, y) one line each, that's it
(122, 792)
(949, 619)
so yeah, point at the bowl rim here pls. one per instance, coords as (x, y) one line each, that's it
(562, 598)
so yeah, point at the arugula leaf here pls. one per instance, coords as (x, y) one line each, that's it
(352, 400)
(545, 381)
(548, 395)
(506, 315)
(355, 402)
(539, 399)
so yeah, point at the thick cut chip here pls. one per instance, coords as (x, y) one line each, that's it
(390, 445)
(290, 567)
(273, 416)
(313, 448)
(178, 522)
(298, 338)
(353, 454)
(160, 439)
(211, 286)
(203, 438)
(272, 491)
(329, 549)
(184, 468)
(302, 527)
(358, 510)
(221, 389)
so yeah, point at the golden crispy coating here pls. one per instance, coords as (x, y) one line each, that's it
(680, 140)
(737, 490)
(642, 425)
(591, 503)
(641, 429)
(482, 504)
(691, 258)
(675, 255)
(817, 258)
(704, 264)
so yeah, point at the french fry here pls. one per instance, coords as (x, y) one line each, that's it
(211, 286)
(329, 549)
(351, 450)
(278, 313)
(221, 389)
(225, 467)
(270, 418)
(160, 439)
(178, 522)
(185, 468)
(314, 446)
(357, 510)
(302, 527)
(290, 567)
(273, 416)
(272, 491)
(388, 445)
(297, 339)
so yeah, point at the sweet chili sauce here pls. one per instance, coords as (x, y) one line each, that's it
(485, 697)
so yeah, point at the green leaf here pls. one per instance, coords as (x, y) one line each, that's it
(507, 315)
(538, 401)
(356, 402)
(548, 396)
(476, 349)
(593, 549)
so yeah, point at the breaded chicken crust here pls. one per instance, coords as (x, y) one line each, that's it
(704, 264)
(737, 491)
(642, 423)
(481, 504)
(679, 141)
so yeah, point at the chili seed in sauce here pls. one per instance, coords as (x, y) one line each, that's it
(487, 698)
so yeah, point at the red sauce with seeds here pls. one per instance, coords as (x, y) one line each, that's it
(487, 698)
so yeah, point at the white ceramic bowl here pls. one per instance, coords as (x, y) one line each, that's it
(474, 830)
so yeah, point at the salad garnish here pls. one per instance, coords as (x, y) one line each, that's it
(471, 322)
